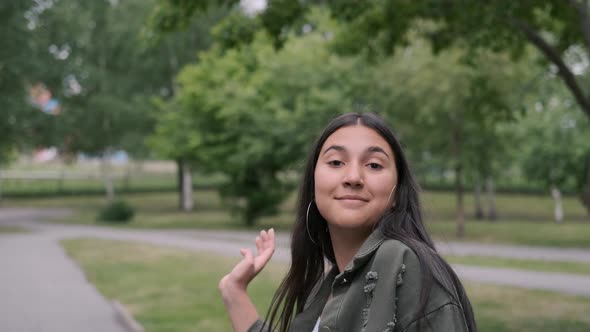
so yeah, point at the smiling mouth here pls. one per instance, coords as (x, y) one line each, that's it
(351, 198)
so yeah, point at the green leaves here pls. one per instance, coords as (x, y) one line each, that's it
(253, 111)
(555, 141)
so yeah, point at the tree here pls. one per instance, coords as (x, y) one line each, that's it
(552, 26)
(447, 111)
(253, 110)
(374, 29)
(556, 143)
(559, 29)
(96, 67)
(16, 73)
(171, 51)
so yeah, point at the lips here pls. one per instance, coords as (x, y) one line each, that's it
(351, 198)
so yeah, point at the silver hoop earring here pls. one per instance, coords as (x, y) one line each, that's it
(391, 193)
(307, 223)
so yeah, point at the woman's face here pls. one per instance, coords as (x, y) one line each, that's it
(354, 178)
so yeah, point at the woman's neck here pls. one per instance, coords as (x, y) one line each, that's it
(346, 243)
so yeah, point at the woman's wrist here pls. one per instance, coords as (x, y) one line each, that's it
(238, 304)
(232, 290)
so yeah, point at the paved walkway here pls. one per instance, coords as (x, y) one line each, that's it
(41, 289)
(445, 248)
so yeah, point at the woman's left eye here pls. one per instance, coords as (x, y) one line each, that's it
(374, 166)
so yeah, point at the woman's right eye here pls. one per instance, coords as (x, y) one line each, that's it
(335, 163)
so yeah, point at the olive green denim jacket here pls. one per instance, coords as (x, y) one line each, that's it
(378, 291)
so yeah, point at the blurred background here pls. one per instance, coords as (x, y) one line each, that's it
(174, 129)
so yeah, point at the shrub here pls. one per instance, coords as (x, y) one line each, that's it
(117, 211)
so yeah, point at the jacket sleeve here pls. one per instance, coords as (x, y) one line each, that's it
(447, 318)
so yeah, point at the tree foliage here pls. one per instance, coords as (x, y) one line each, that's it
(557, 140)
(106, 67)
(252, 111)
(97, 74)
(16, 71)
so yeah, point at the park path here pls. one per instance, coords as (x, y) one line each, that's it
(41, 289)
(225, 243)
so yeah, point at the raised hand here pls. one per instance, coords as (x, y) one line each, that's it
(240, 308)
(243, 273)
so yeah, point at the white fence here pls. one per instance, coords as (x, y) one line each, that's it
(56, 175)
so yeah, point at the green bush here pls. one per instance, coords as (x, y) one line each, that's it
(117, 211)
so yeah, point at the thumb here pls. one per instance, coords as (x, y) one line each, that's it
(248, 255)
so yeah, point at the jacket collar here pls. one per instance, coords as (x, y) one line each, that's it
(366, 251)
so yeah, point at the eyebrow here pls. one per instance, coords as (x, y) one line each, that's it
(338, 148)
(371, 149)
(378, 149)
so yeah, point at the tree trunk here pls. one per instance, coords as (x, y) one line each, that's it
(187, 187)
(179, 165)
(456, 141)
(107, 178)
(477, 199)
(554, 56)
(249, 215)
(127, 176)
(0, 187)
(491, 193)
(585, 194)
(558, 212)
(460, 206)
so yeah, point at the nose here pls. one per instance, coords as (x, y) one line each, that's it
(353, 177)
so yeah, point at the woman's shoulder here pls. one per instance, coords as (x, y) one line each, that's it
(397, 252)
(400, 256)
(393, 244)
(401, 271)
(396, 259)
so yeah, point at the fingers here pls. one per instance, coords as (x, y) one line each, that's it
(271, 235)
(259, 245)
(268, 239)
(252, 264)
(265, 240)
(264, 236)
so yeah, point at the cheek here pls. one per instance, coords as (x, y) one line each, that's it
(323, 189)
(324, 181)
(382, 189)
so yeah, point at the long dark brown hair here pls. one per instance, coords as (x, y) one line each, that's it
(403, 222)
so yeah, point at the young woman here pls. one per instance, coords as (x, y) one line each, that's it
(359, 212)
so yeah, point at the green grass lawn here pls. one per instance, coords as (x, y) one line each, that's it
(441, 206)
(523, 219)
(534, 265)
(11, 229)
(176, 290)
(539, 233)
(165, 289)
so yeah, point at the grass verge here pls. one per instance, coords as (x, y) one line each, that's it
(176, 290)
(533, 233)
(11, 229)
(534, 265)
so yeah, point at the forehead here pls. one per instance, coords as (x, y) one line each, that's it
(357, 138)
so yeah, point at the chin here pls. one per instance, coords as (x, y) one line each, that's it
(350, 222)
